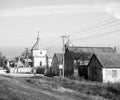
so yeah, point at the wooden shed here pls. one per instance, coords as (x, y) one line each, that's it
(104, 68)
(57, 60)
(77, 59)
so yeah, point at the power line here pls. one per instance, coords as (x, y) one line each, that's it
(98, 30)
(103, 27)
(98, 25)
(97, 35)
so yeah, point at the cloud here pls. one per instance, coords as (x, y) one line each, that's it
(58, 9)
(114, 9)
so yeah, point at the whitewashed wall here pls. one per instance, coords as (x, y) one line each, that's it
(49, 62)
(39, 56)
(108, 75)
(37, 61)
(39, 53)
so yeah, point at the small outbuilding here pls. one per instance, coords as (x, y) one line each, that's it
(56, 62)
(104, 67)
(77, 59)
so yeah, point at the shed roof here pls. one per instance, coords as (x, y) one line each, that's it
(109, 60)
(92, 49)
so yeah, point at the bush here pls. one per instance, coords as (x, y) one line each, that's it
(114, 88)
(50, 73)
(38, 70)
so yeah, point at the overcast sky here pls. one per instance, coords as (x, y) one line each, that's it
(21, 19)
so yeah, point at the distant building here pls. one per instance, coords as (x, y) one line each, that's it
(104, 68)
(78, 57)
(56, 62)
(38, 54)
(50, 62)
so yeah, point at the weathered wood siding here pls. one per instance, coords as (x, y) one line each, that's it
(69, 64)
(83, 71)
(55, 66)
(95, 70)
(111, 75)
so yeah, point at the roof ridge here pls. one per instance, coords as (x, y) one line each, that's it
(88, 47)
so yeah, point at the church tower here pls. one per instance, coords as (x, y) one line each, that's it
(38, 54)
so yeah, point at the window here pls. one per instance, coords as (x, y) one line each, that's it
(94, 72)
(40, 52)
(114, 73)
(40, 63)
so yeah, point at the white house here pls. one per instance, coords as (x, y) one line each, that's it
(38, 54)
(104, 68)
(49, 62)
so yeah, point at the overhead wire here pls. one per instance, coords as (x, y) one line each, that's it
(97, 26)
(106, 33)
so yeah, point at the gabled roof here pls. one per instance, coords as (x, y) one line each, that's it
(36, 46)
(109, 60)
(92, 49)
(59, 57)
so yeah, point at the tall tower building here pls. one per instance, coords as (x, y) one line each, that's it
(38, 54)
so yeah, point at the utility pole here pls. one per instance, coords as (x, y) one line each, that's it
(63, 37)
(27, 54)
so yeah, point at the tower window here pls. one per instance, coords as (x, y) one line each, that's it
(40, 63)
(40, 52)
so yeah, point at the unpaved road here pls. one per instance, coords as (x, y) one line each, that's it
(12, 88)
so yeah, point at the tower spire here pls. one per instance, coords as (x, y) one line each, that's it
(38, 38)
(37, 44)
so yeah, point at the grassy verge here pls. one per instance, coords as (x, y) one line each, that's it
(106, 90)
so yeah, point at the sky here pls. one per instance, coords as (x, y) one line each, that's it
(20, 21)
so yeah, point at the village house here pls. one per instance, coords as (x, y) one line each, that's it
(104, 67)
(77, 59)
(38, 54)
(50, 57)
(50, 61)
(56, 63)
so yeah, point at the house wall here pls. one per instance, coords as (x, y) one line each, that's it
(50, 62)
(111, 75)
(37, 61)
(83, 71)
(94, 70)
(39, 53)
(39, 56)
(69, 64)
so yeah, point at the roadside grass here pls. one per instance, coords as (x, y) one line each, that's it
(110, 91)
(106, 90)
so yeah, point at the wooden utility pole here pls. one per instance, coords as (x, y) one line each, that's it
(63, 37)
(27, 56)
